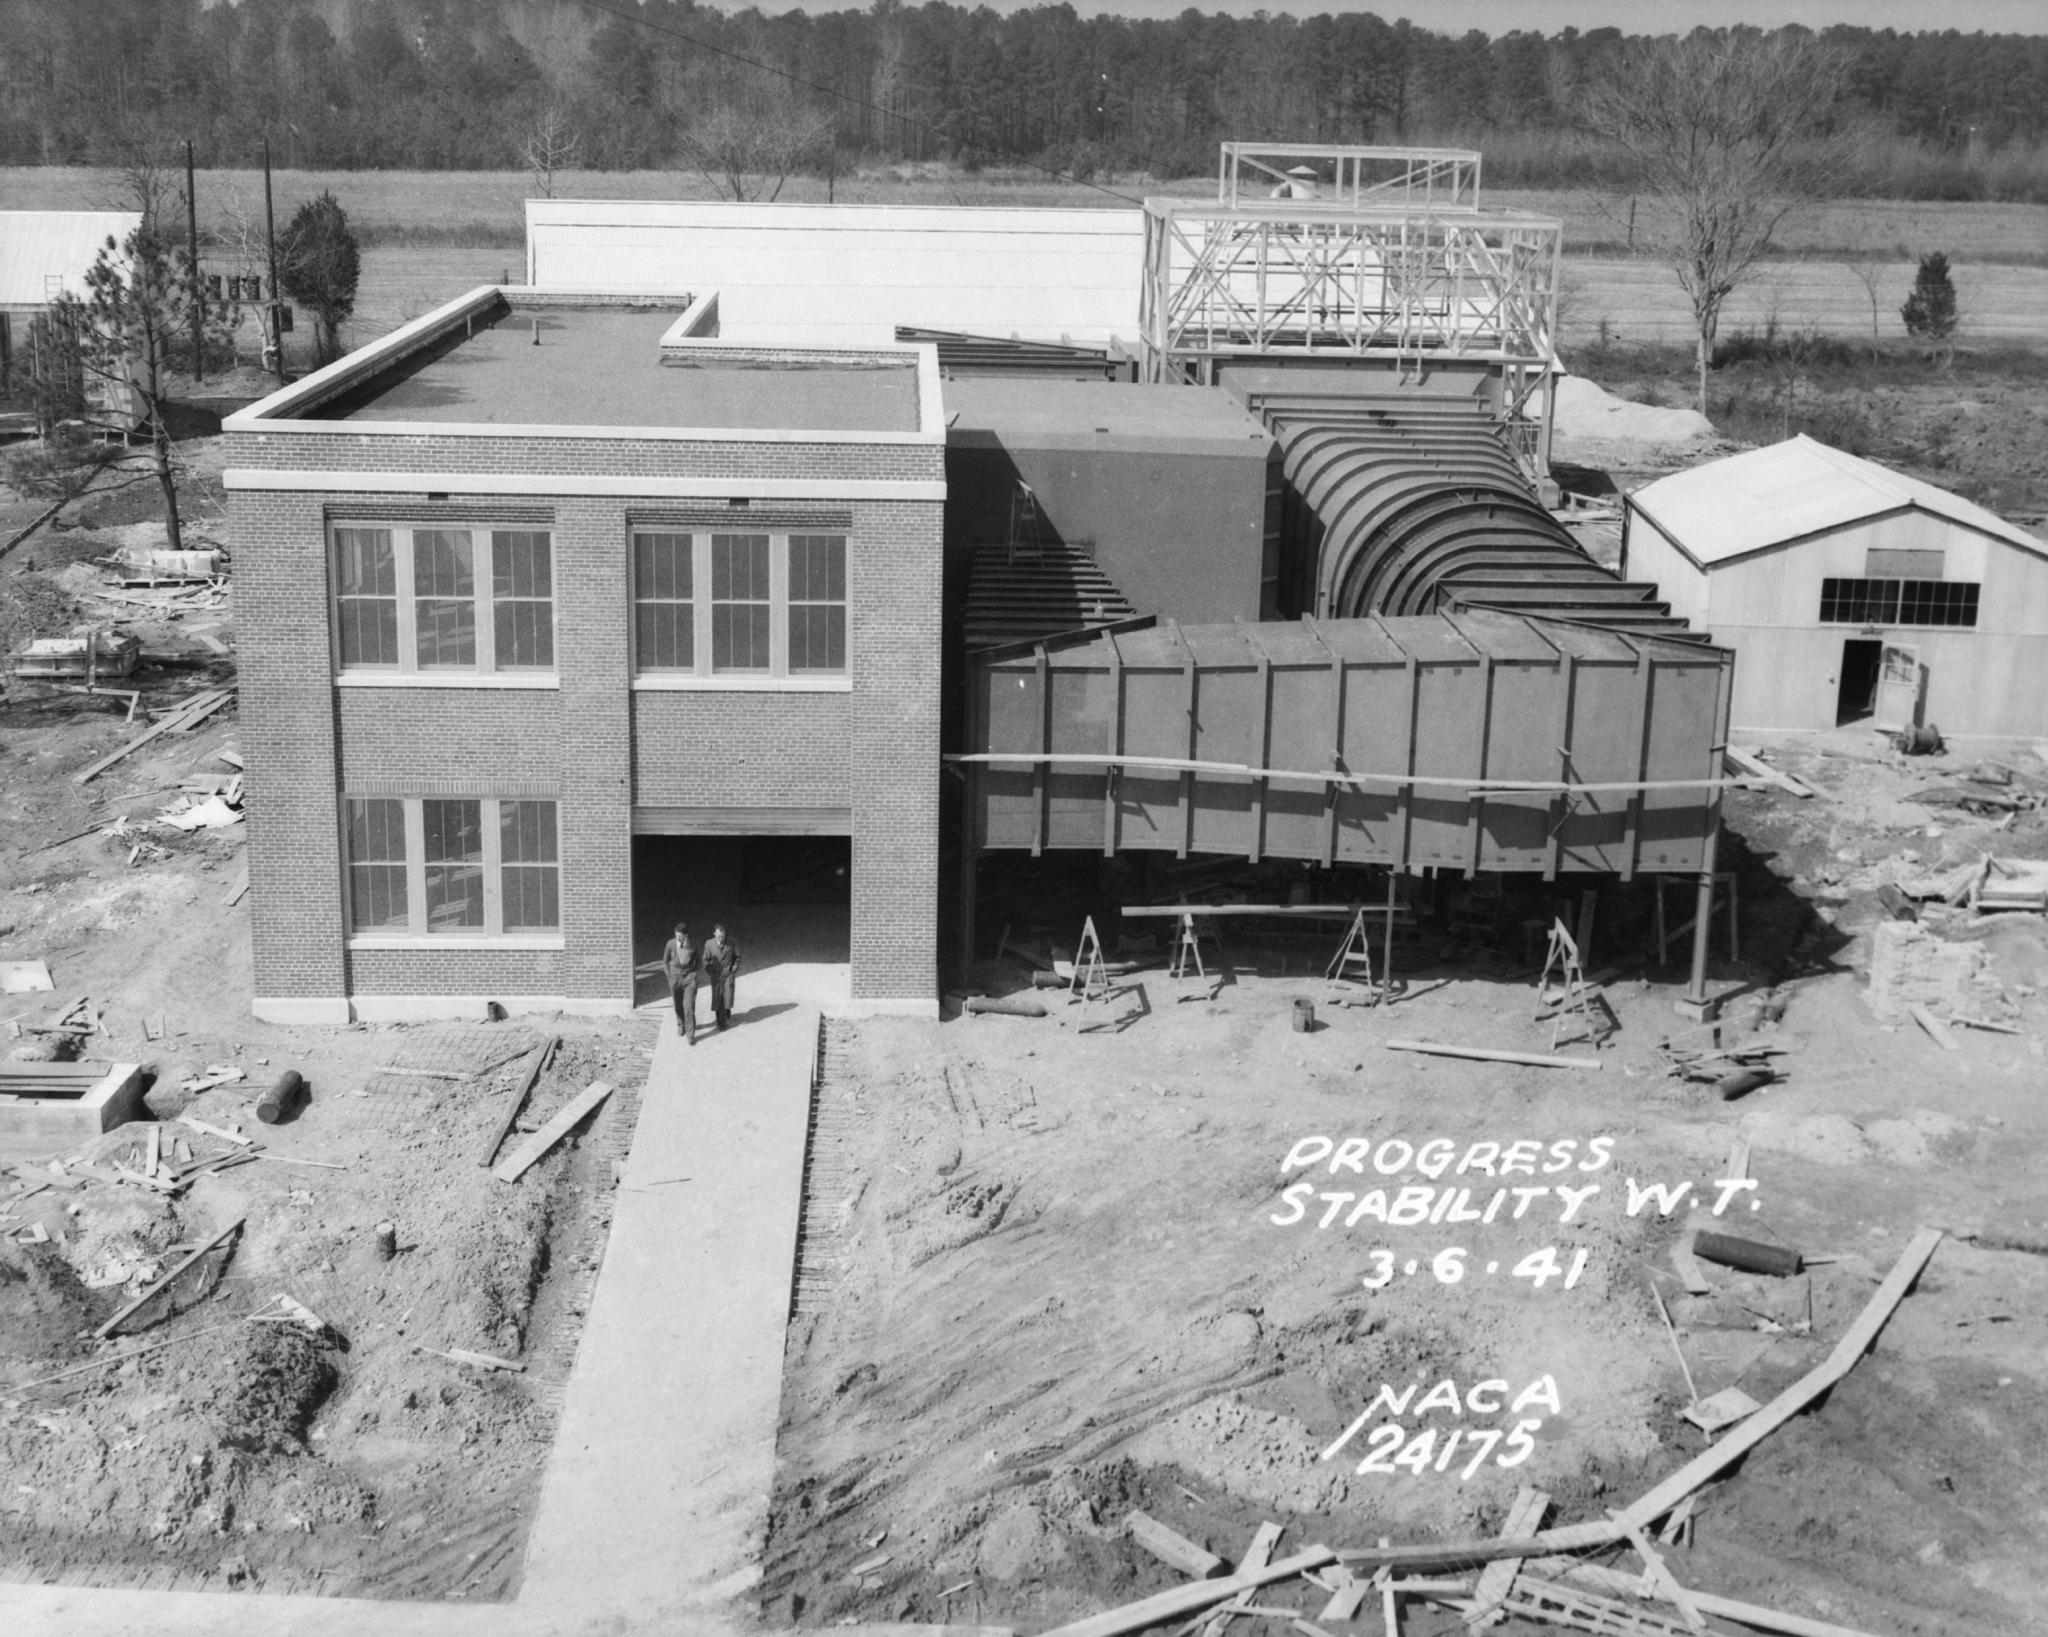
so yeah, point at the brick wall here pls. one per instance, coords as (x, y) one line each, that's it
(285, 699)
(741, 749)
(893, 613)
(601, 745)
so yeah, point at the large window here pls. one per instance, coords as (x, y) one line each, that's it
(430, 601)
(464, 866)
(760, 605)
(1898, 602)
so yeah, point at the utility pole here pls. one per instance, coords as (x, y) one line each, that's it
(198, 284)
(276, 330)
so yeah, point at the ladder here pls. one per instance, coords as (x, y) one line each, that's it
(1091, 978)
(1353, 961)
(1574, 999)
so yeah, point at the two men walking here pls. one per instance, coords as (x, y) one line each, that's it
(686, 964)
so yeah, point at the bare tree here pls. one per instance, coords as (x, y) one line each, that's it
(551, 145)
(750, 153)
(138, 305)
(1724, 134)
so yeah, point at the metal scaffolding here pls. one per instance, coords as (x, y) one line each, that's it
(1399, 288)
(1336, 175)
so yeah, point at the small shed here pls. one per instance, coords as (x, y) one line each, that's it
(1850, 592)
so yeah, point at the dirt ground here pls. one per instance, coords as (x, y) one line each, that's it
(1052, 1270)
(244, 1454)
(1064, 1279)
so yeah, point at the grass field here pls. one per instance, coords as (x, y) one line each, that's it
(478, 209)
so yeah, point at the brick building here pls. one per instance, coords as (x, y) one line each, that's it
(543, 578)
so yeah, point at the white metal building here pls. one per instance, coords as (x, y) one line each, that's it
(1850, 592)
(44, 254)
(850, 274)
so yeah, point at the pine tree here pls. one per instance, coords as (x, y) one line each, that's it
(1930, 309)
(318, 265)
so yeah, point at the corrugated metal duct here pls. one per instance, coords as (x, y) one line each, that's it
(1472, 741)
(1410, 502)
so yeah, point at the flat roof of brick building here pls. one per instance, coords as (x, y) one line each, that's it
(604, 365)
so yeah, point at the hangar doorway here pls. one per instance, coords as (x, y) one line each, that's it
(1856, 695)
(786, 899)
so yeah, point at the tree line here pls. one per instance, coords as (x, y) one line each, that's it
(616, 84)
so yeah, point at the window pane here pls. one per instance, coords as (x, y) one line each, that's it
(522, 592)
(739, 636)
(817, 602)
(530, 882)
(376, 864)
(455, 871)
(444, 588)
(664, 623)
(366, 596)
(739, 567)
(739, 602)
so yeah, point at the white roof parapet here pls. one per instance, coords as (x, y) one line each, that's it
(1785, 492)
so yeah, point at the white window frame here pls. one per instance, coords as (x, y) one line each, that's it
(702, 676)
(408, 672)
(414, 935)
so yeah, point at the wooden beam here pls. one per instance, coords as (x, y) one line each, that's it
(1497, 1580)
(1191, 1599)
(184, 716)
(1796, 1397)
(515, 1164)
(1659, 1576)
(1173, 1548)
(517, 1099)
(1538, 1059)
(1748, 1614)
(165, 1283)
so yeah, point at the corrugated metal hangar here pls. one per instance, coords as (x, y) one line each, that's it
(1850, 592)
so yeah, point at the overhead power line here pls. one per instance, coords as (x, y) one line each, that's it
(639, 20)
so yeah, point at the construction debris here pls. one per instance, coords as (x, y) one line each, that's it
(1171, 1548)
(191, 1259)
(1746, 1254)
(515, 1164)
(1537, 1059)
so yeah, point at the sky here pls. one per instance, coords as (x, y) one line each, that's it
(1548, 16)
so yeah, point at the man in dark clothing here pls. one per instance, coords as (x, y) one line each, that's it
(682, 963)
(722, 971)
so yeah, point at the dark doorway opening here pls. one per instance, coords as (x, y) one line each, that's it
(1857, 698)
(785, 899)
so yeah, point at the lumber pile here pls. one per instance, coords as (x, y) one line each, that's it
(1528, 1565)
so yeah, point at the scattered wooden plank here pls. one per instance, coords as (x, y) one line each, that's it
(1260, 1552)
(1349, 1593)
(1191, 1598)
(1539, 1059)
(1497, 1580)
(200, 1125)
(517, 1099)
(1985, 1023)
(1748, 1614)
(153, 1161)
(126, 1174)
(237, 887)
(485, 1361)
(515, 1164)
(1658, 1575)
(1681, 1515)
(1173, 1548)
(185, 1262)
(1937, 1031)
(203, 705)
(1753, 766)
(1687, 1268)
(1801, 1393)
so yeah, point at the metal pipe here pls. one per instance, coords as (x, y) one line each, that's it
(1183, 764)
